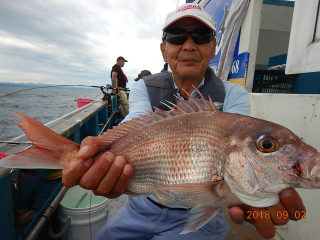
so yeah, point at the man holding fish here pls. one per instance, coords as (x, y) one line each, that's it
(188, 45)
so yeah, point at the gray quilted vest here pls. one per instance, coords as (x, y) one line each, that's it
(160, 87)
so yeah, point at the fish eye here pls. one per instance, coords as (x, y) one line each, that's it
(267, 144)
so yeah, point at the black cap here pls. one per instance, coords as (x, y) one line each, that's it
(121, 58)
(142, 74)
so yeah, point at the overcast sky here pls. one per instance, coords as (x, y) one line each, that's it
(78, 41)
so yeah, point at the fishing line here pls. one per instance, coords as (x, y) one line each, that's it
(97, 96)
(50, 86)
(90, 215)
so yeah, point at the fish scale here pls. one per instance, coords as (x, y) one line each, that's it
(186, 148)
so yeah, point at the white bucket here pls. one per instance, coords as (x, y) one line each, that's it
(79, 228)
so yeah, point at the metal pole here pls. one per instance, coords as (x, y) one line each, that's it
(106, 126)
(46, 215)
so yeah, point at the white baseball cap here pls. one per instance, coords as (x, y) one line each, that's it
(189, 10)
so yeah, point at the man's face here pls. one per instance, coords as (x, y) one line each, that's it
(121, 63)
(188, 60)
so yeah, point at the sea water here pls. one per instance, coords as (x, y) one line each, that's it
(42, 104)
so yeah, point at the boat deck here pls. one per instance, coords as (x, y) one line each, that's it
(33, 190)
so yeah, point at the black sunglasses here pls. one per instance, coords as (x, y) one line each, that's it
(178, 36)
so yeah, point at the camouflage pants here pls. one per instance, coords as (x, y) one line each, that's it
(123, 100)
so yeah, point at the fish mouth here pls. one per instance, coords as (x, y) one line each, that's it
(308, 171)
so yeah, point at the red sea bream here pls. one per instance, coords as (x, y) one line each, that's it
(192, 155)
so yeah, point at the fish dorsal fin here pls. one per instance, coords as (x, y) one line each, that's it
(184, 107)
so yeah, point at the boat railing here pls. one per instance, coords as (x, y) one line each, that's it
(89, 120)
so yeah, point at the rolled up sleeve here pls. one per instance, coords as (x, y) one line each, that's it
(139, 102)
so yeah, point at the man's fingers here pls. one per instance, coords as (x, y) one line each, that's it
(92, 178)
(262, 222)
(236, 215)
(264, 219)
(89, 147)
(108, 176)
(278, 214)
(71, 176)
(122, 182)
(110, 179)
(292, 201)
(259, 217)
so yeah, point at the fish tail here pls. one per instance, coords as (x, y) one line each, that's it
(50, 148)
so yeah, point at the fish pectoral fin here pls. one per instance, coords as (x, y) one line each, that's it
(199, 217)
(202, 194)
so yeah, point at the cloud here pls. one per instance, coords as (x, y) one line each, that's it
(78, 41)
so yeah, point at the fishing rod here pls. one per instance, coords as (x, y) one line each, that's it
(100, 87)
(13, 142)
(51, 86)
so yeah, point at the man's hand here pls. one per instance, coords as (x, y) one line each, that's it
(108, 176)
(267, 218)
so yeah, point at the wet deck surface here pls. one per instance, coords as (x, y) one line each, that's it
(238, 232)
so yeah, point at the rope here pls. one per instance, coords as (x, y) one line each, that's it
(90, 215)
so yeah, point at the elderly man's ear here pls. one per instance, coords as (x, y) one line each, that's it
(163, 51)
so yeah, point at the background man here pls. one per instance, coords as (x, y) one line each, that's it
(142, 74)
(117, 73)
(188, 45)
(165, 68)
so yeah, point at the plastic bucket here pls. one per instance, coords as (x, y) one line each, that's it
(83, 101)
(79, 228)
